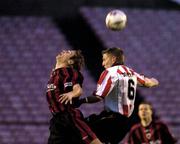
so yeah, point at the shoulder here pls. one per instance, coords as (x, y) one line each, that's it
(160, 125)
(159, 122)
(104, 73)
(113, 70)
(125, 69)
(135, 127)
(75, 73)
(79, 74)
(102, 76)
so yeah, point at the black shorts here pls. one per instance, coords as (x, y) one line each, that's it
(110, 127)
(63, 131)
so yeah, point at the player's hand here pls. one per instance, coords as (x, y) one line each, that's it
(156, 82)
(65, 98)
(151, 82)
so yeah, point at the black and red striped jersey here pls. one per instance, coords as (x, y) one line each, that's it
(61, 81)
(156, 133)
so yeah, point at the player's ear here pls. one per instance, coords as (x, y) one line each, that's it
(114, 59)
(70, 62)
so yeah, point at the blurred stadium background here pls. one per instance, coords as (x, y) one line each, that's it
(32, 32)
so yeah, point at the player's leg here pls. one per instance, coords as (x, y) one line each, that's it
(62, 130)
(108, 126)
(56, 135)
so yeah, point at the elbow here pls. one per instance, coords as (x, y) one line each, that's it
(80, 91)
(77, 90)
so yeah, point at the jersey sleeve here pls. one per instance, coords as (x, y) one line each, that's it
(104, 84)
(140, 77)
(134, 135)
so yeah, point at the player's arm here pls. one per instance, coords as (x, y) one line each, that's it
(145, 81)
(67, 97)
(90, 99)
(150, 82)
(97, 96)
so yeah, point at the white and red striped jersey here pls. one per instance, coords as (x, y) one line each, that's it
(117, 85)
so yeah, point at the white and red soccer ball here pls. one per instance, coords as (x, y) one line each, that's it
(116, 20)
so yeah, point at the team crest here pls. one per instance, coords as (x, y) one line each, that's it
(148, 136)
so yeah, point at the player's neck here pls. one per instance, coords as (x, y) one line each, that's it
(146, 122)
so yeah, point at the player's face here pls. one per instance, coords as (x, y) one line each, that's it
(107, 60)
(145, 111)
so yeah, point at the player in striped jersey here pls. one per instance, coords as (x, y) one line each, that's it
(149, 130)
(67, 125)
(117, 87)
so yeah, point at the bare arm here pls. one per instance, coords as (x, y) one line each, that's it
(151, 82)
(67, 97)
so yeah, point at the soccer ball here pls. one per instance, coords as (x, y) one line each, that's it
(116, 20)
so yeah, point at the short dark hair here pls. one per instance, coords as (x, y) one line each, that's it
(117, 52)
(146, 103)
(78, 60)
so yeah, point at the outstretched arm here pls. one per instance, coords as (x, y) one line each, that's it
(151, 82)
(90, 99)
(148, 82)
